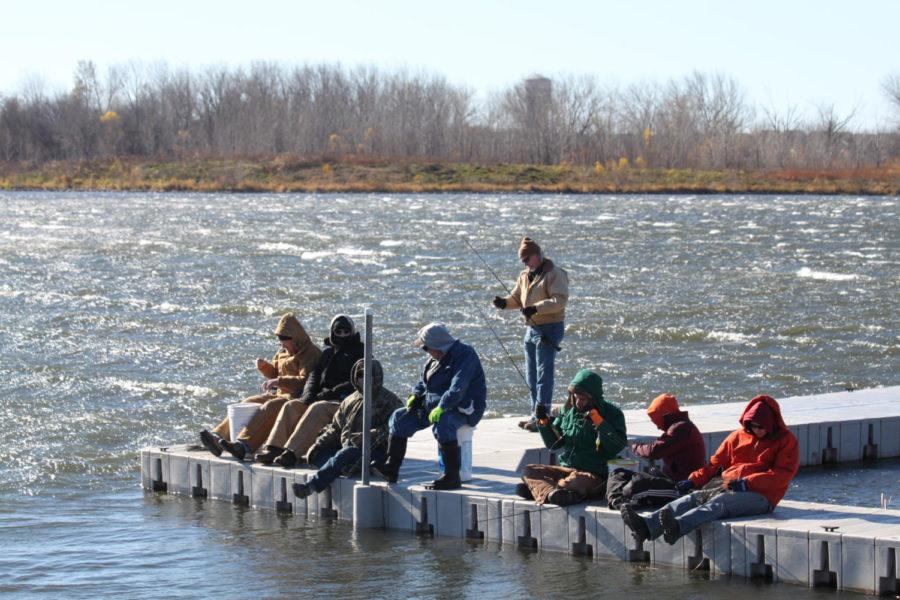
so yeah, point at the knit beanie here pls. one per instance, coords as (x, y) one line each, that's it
(528, 247)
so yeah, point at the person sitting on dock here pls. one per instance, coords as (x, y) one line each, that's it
(588, 432)
(681, 449)
(286, 376)
(338, 448)
(451, 393)
(748, 475)
(541, 293)
(301, 420)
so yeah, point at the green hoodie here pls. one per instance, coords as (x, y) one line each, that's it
(583, 446)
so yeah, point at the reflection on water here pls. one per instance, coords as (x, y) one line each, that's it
(132, 319)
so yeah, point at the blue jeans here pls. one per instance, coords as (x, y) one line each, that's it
(540, 355)
(691, 514)
(405, 423)
(332, 463)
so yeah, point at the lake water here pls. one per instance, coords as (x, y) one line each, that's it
(129, 320)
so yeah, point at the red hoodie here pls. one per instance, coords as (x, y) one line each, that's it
(768, 464)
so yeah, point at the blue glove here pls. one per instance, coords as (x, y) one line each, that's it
(738, 485)
(684, 487)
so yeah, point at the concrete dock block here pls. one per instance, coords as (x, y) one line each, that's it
(527, 521)
(344, 504)
(870, 430)
(326, 501)
(851, 447)
(219, 480)
(738, 545)
(449, 514)
(494, 528)
(241, 483)
(261, 489)
(367, 504)
(792, 554)
(858, 563)
(889, 444)
(398, 509)
(801, 432)
(761, 552)
(282, 492)
(179, 475)
(424, 511)
(887, 566)
(699, 550)
(665, 554)
(721, 547)
(146, 470)
(829, 442)
(198, 470)
(301, 505)
(554, 528)
(613, 540)
(508, 527)
(475, 519)
(582, 526)
(825, 560)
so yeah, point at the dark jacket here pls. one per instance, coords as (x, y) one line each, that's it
(456, 382)
(584, 446)
(680, 447)
(330, 380)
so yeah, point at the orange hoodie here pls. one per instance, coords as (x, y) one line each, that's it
(768, 464)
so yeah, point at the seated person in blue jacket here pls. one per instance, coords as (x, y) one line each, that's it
(338, 449)
(450, 394)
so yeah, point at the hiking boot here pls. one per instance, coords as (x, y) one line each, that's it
(561, 497)
(211, 442)
(635, 523)
(452, 459)
(238, 449)
(523, 491)
(302, 490)
(528, 424)
(671, 530)
(286, 460)
(268, 455)
(396, 452)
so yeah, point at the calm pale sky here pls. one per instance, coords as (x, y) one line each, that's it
(787, 52)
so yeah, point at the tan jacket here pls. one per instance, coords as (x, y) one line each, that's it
(292, 370)
(549, 293)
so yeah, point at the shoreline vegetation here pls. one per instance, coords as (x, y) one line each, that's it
(292, 173)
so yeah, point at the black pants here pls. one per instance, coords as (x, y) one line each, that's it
(638, 489)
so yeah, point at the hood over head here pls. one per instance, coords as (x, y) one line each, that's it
(290, 326)
(358, 370)
(589, 382)
(436, 336)
(662, 405)
(764, 411)
(341, 322)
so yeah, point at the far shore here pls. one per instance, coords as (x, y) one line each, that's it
(283, 174)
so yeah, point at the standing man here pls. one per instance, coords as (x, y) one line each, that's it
(450, 394)
(541, 293)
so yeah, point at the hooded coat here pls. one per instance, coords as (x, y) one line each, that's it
(584, 446)
(767, 464)
(456, 381)
(547, 291)
(346, 427)
(680, 447)
(292, 370)
(332, 373)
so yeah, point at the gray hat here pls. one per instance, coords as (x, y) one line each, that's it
(436, 336)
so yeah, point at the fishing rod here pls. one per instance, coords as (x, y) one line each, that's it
(502, 345)
(528, 320)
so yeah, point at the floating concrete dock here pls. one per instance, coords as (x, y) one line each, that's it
(838, 547)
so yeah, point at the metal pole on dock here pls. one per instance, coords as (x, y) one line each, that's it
(367, 400)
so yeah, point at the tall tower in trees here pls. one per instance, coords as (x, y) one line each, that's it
(538, 96)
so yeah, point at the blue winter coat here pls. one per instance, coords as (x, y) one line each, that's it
(456, 384)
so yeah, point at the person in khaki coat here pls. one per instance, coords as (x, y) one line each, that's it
(540, 294)
(286, 377)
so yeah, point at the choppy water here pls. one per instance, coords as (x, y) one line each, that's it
(132, 319)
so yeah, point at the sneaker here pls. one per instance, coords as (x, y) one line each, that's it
(561, 497)
(211, 442)
(523, 491)
(671, 530)
(635, 523)
(238, 449)
(302, 490)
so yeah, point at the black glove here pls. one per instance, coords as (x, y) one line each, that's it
(528, 311)
(499, 302)
(541, 413)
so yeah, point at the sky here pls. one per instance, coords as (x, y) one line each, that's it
(787, 53)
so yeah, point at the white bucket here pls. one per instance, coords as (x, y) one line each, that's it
(464, 437)
(239, 415)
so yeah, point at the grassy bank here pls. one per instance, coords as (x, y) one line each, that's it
(354, 174)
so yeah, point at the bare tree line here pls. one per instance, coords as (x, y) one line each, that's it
(701, 121)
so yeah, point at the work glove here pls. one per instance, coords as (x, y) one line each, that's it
(529, 311)
(738, 485)
(541, 413)
(595, 417)
(684, 486)
(499, 302)
(413, 402)
(435, 415)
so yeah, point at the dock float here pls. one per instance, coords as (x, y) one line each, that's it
(810, 544)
